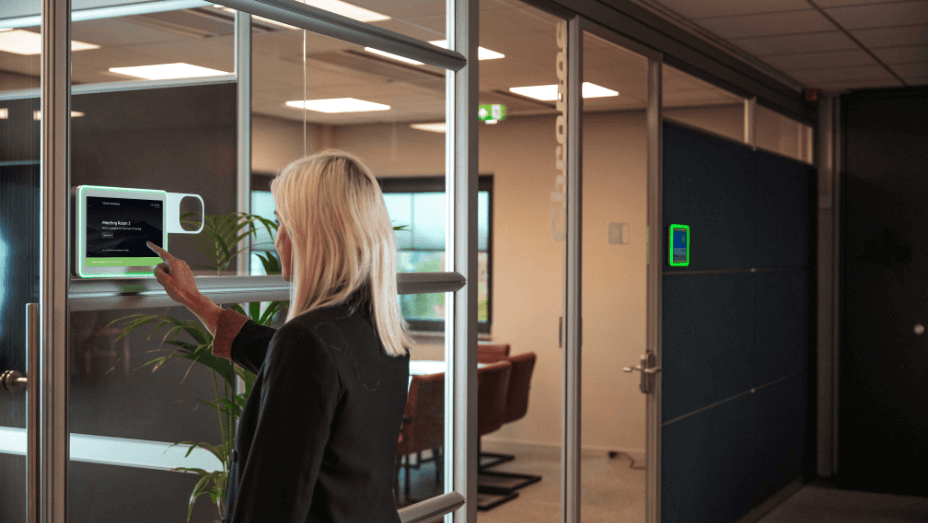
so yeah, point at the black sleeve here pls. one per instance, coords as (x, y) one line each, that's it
(299, 395)
(250, 346)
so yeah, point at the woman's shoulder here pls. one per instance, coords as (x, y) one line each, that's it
(336, 327)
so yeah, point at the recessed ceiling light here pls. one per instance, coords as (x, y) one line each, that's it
(393, 56)
(347, 10)
(167, 71)
(437, 127)
(338, 105)
(23, 42)
(482, 52)
(37, 115)
(549, 92)
(4, 113)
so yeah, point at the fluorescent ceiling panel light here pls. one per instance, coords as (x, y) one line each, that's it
(547, 93)
(338, 105)
(482, 52)
(347, 10)
(438, 127)
(167, 71)
(4, 113)
(37, 115)
(27, 43)
(392, 56)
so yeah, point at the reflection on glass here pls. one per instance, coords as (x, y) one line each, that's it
(689, 100)
(166, 45)
(420, 447)
(783, 135)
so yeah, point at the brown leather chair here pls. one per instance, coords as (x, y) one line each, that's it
(492, 390)
(516, 406)
(491, 352)
(423, 424)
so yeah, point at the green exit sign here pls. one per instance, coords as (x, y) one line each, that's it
(491, 112)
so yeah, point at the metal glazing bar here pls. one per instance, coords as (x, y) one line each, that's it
(243, 130)
(838, 167)
(54, 256)
(655, 212)
(33, 334)
(134, 85)
(330, 24)
(143, 293)
(98, 13)
(461, 244)
(572, 348)
(431, 508)
(750, 122)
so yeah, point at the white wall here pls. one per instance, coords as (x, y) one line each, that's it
(528, 265)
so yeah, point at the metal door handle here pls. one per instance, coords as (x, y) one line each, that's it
(13, 380)
(648, 369)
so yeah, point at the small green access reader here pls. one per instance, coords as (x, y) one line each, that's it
(679, 245)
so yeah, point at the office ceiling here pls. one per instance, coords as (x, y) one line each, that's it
(833, 45)
(830, 44)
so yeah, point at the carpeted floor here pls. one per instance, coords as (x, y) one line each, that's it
(821, 504)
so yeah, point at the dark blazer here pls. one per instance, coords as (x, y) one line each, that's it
(318, 435)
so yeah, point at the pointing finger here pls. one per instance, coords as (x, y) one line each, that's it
(163, 254)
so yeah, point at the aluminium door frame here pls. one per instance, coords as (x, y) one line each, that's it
(571, 404)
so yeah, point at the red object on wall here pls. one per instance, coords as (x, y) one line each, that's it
(811, 94)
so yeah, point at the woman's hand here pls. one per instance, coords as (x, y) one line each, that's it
(175, 276)
(177, 279)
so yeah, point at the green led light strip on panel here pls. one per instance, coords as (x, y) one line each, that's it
(679, 251)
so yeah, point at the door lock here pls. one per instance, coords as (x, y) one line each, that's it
(13, 380)
(648, 369)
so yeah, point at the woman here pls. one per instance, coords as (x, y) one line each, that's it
(317, 437)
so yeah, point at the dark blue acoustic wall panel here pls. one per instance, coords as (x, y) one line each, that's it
(781, 316)
(781, 202)
(708, 340)
(736, 326)
(709, 184)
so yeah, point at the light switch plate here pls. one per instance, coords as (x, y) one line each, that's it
(618, 233)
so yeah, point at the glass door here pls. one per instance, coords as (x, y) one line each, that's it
(20, 72)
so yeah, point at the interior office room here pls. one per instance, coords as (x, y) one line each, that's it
(659, 258)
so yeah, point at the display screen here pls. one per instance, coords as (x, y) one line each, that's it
(117, 229)
(679, 245)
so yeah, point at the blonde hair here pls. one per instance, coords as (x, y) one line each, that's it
(342, 241)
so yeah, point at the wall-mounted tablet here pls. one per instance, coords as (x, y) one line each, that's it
(679, 245)
(112, 225)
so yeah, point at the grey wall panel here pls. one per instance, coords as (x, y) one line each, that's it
(783, 324)
(709, 184)
(708, 339)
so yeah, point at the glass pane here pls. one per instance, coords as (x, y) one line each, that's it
(168, 45)
(614, 286)
(20, 68)
(691, 101)
(342, 97)
(783, 135)
(420, 448)
(527, 282)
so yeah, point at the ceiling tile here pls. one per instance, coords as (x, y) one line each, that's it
(911, 69)
(881, 15)
(793, 22)
(901, 55)
(697, 9)
(811, 42)
(830, 59)
(841, 3)
(916, 80)
(893, 36)
(868, 72)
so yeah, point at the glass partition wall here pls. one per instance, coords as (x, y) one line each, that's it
(199, 98)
